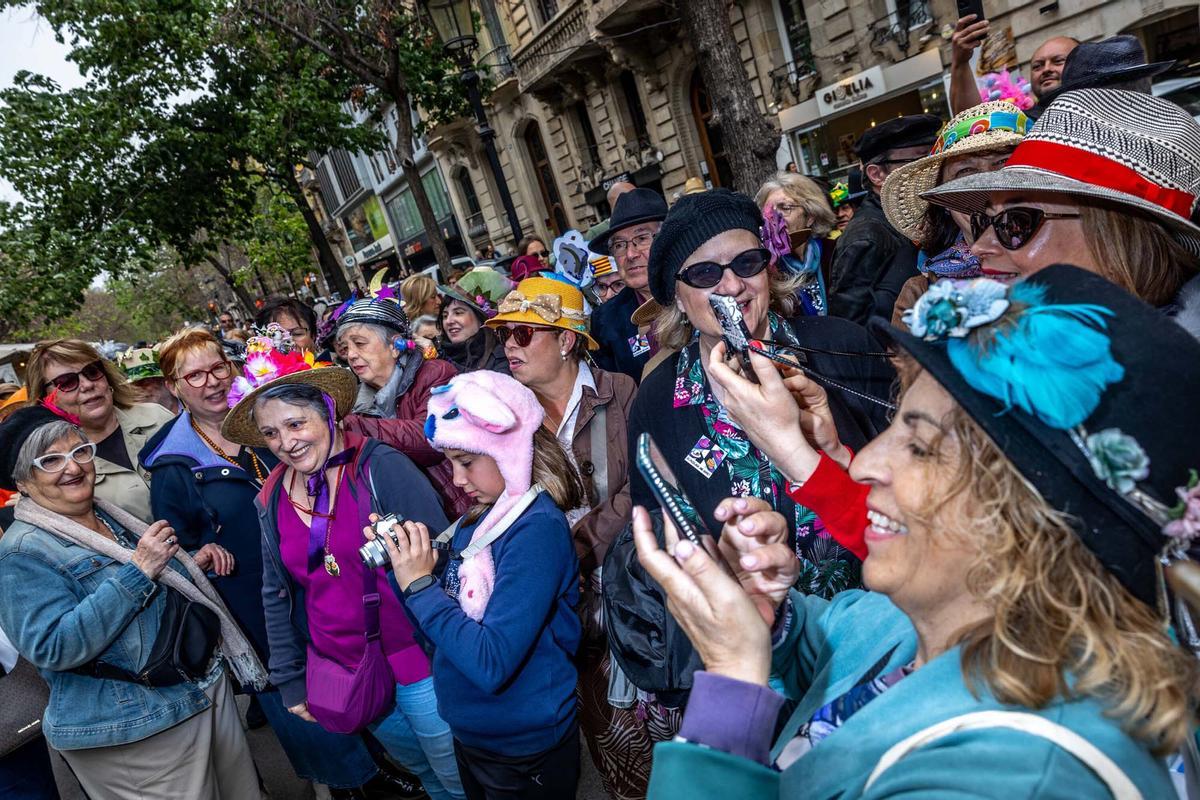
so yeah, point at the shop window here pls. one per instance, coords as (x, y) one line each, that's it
(588, 146)
(403, 208)
(636, 129)
(712, 143)
(543, 171)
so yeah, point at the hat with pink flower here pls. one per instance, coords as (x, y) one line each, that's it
(273, 360)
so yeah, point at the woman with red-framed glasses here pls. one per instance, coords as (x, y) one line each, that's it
(546, 335)
(85, 385)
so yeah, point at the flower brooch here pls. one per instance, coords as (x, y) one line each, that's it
(952, 308)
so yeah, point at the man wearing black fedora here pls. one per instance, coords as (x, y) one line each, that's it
(635, 221)
(1118, 62)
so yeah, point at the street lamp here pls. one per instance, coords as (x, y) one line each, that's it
(454, 22)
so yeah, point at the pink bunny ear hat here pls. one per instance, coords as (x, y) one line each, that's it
(493, 415)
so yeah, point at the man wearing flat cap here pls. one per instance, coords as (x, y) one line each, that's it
(872, 260)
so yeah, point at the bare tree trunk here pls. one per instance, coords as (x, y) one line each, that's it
(329, 263)
(240, 293)
(750, 141)
(404, 153)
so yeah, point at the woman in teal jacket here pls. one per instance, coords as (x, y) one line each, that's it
(1019, 507)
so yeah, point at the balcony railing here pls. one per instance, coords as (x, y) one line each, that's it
(498, 63)
(477, 226)
(891, 34)
(554, 45)
(794, 81)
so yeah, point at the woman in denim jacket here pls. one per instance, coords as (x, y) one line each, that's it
(91, 581)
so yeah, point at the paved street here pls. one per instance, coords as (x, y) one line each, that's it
(282, 783)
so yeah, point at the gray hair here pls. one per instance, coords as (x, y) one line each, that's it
(424, 319)
(300, 395)
(39, 442)
(805, 193)
(385, 334)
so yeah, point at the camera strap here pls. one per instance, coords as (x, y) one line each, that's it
(497, 531)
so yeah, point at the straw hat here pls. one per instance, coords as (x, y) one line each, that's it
(646, 313)
(1126, 148)
(270, 362)
(995, 125)
(545, 302)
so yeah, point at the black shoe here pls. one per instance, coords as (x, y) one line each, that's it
(394, 785)
(255, 718)
(346, 794)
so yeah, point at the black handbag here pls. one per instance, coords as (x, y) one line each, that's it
(23, 699)
(187, 636)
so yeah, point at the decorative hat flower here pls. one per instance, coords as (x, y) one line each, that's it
(1185, 517)
(1117, 459)
(952, 308)
(270, 354)
(775, 234)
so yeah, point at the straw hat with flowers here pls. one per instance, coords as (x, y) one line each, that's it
(991, 126)
(546, 303)
(272, 360)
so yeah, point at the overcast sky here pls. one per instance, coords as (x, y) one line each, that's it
(27, 42)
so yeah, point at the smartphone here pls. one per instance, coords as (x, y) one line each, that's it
(662, 482)
(734, 332)
(968, 7)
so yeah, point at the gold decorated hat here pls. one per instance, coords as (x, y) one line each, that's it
(546, 302)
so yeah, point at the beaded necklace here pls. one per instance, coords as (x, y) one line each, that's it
(259, 472)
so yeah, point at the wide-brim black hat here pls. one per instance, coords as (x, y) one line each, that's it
(632, 208)
(1107, 64)
(19, 426)
(1154, 403)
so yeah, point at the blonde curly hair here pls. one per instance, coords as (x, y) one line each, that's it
(1062, 625)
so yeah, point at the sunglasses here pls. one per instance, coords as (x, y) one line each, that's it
(522, 334)
(707, 274)
(1014, 227)
(199, 377)
(541, 254)
(69, 381)
(57, 462)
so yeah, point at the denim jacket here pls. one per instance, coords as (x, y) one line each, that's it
(65, 605)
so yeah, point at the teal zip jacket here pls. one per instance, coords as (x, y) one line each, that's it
(830, 646)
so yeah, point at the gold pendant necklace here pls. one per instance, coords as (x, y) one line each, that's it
(331, 565)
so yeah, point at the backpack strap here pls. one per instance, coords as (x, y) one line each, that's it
(1118, 783)
(598, 434)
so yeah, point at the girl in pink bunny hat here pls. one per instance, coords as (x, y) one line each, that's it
(499, 611)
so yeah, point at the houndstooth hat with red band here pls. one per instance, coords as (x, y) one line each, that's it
(1126, 148)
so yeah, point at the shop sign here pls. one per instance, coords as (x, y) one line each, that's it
(607, 183)
(374, 249)
(858, 88)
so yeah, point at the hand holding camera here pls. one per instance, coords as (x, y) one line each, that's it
(407, 546)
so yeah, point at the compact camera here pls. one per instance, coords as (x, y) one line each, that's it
(374, 553)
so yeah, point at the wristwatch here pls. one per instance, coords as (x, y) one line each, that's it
(423, 582)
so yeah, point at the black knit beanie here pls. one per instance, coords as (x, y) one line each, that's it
(692, 221)
(19, 426)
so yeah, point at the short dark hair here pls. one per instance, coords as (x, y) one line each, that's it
(278, 306)
(296, 394)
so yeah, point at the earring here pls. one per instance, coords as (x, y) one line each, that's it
(563, 353)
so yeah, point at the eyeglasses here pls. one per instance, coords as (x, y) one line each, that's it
(787, 208)
(69, 381)
(522, 334)
(618, 247)
(707, 274)
(1014, 227)
(605, 289)
(57, 462)
(199, 377)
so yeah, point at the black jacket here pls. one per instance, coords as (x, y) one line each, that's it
(871, 262)
(481, 351)
(616, 334)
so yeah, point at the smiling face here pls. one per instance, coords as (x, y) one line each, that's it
(476, 475)
(302, 337)
(208, 400)
(370, 357)
(92, 402)
(1046, 66)
(69, 492)
(971, 164)
(1055, 241)
(753, 294)
(296, 435)
(459, 322)
(910, 557)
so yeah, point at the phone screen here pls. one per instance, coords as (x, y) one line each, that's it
(968, 7)
(671, 498)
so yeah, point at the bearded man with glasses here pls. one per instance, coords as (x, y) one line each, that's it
(71, 375)
(636, 218)
(872, 260)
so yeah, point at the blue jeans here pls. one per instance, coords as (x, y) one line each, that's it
(341, 762)
(416, 736)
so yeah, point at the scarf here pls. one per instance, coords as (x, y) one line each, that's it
(317, 487)
(381, 402)
(473, 354)
(956, 261)
(233, 646)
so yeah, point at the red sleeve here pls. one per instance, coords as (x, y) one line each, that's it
(839, 501)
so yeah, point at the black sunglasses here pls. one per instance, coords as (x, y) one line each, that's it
(523, 334)
(707, 274)
(69, 381)
(1014, 227)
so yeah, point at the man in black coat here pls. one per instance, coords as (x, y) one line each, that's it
(634, 224)
(872, 260)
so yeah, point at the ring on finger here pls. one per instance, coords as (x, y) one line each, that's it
(170, 540)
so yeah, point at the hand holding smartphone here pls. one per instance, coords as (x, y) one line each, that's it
(968, 7)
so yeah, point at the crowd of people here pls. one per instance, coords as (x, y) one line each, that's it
(860, 491)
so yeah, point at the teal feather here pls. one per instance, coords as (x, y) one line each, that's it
(1053, 362)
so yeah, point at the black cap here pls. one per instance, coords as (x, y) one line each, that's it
(1151, 403)
(917, 130)
(19, 426)
(694, 219)
(632, 208)
(1117, 62)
